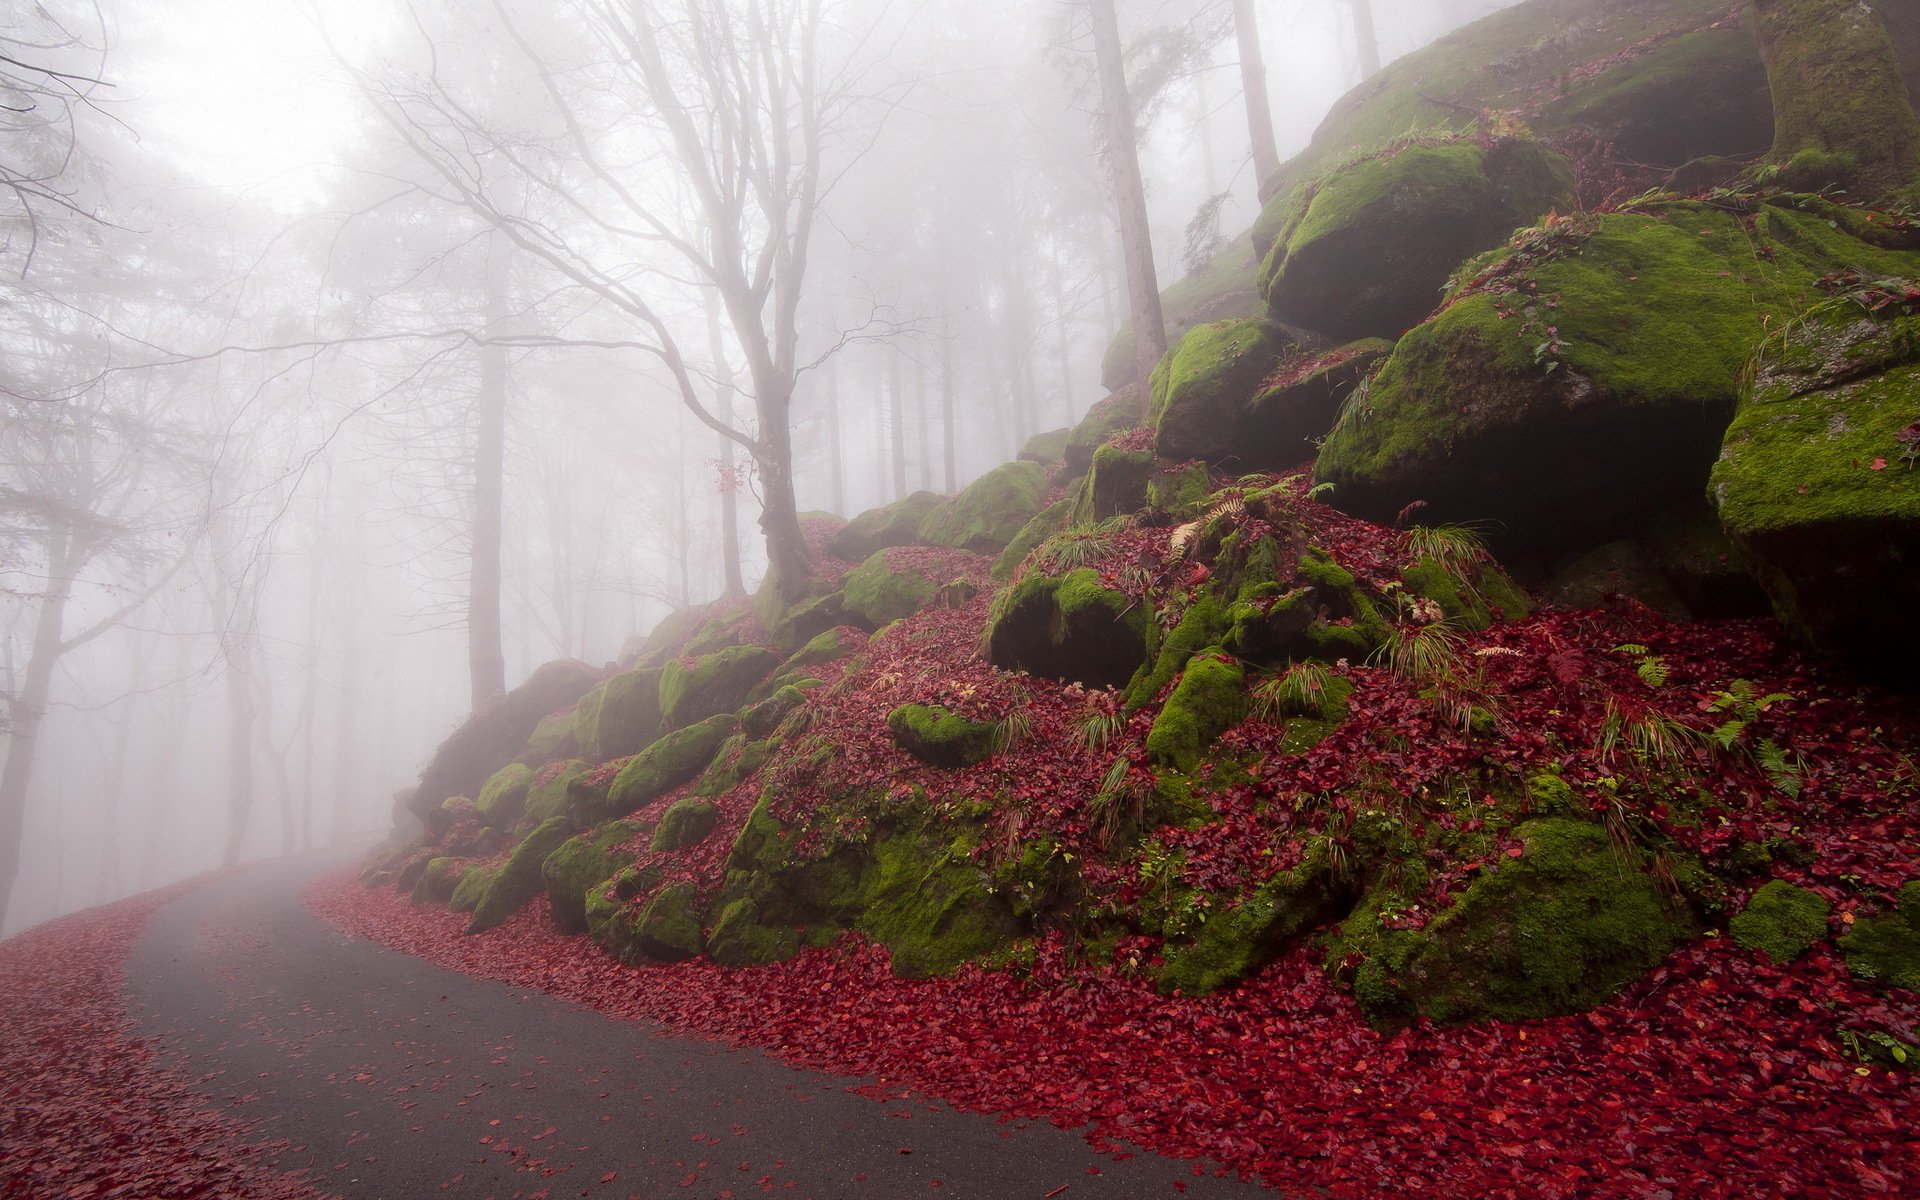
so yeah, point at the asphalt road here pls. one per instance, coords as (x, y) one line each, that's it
(397, 1080)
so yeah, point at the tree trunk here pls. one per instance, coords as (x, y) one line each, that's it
(896, 423)
(1841, 110)
(1366, 38)
(23, 729)
(486, 653)
(833, 438)
(729, 490)
(1253, 88)
(1129, 193)
(949, 450)
(240, 722)
(922, 425)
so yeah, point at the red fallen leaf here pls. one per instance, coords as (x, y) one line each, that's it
(1516, 851)
(1879, 464)
(609, 1177)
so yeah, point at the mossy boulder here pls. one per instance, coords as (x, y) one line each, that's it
(1661, 81)
(1226, 288)
(1202, 389)
(1609, 574)
(1817, 486)
(937, 736)
(830, 646)
(1118, 412)
(1235, 943)
(620, 716)
(741, 938)
(691, 690)
(989, 512)
(765, 717)
(437, 882)
(548, 795)
(1843, 116)
(1045, 448)
(687, 823)
(1482, 414)
(496, 732)
(1556, 930)
(1210, 699)
(1886, 949)
(1116, 485)
(657, 770)
(931, 905)
(668, 928)
(470, 888)
(1301, 399)
(518, 880)
(1047, 522)
(580, 864)
(896, 524)
(1070, 627)
(894, 583)
(608, 904)
(504, 797)
(1363, 252)
(1781, 921)
(552, 738)
(1472, 595)
(1691, 548)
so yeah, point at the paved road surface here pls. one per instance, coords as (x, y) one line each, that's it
(401, 1081)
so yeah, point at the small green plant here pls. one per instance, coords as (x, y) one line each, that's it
(1301, 691)
(1653, 741)
(1071, 550)
(1427, 655)
(1874, 1045)
(1119, 804)
(1458, 549)
(1099, 727)
(1650, 667)
(1009, 731)
(1320, 491)
(1743, 704)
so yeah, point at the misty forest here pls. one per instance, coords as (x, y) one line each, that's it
(881, 597)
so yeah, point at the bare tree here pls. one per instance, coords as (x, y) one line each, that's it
(49, 71)
(1253, 86)
(1366, 37)
(1129, 192)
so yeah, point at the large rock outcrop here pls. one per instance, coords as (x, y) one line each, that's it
(494, 735)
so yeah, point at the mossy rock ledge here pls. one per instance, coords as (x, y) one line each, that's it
(1562, 445)
(1781, 921)
(1817, 485)
(1199, 394)
(896, 524)
(989, 512)
(944, 739)
(885, 588)
(691, 690)
(620, 716)
(1364, 251)
(657, 770)
(1070, 627)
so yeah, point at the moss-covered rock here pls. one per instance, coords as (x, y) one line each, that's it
(518, 880)
(657, 770)
(552, 738)
(1886, 949)
(1607, 574)
(765, 717)
(1239, 941)
(687, 823)
(620, 716)
(693, 690)
(1115, 486)
(937, 736)
(1781, 921)
(934, 908)
(830, 646)
(1124, 409)
(740, 938)
(1068, 627)
(1483, 414)
(1472, 596)
(896, 524)
(989, 512)
(1047, 522)
(1364, 251)
(1045, 448)
(1817, 487)
(1179, 492)
(669, 927)
(1842, 113)
(580, 864)
(1202, 389)
(1210, 699)
(1691, 548)
(496, 732)
(1225, 289)
(887, 587)
(608, 909)
(437, 883)
(470, 888)
(1557, 930)
(504, 797)
(548, 795)
(1283, 423)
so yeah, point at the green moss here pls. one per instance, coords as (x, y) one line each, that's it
(548, 796)
(1116, 485)
(1222, 290)
(661, 767)
(620, 716)
(437, 883)
(877, 593)
(1045, 448)
(518, 879)
(504, 797)
(471, 888)
(1364, 252)
(896, 524)
(827, 647)
(765, 717)
(1180, 493)
(669, 638)
(932, 907)
(1235, 943)
(1842, 115)
(1557, 930)
(741, 939)
(736, 761)
(1068, 627)
(687, 823)
(1781, 921)
(580, 864)
(1354, 627)
(610, 919)
(937, 736)
(1886, 949)
(1117, 413)
(1047, 522)
(1205, 623)
(1201, 389)
(552, 737)
(692, 690)
(669, 927)
(990, 511)
(1210, 699)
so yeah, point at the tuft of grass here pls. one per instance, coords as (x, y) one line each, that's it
(1651, 740)
(1458, 549)
(1426, 656)
(1302, 691)
(1099, 728)
(1119, 804)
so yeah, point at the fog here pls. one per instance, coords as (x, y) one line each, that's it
(273, 270)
